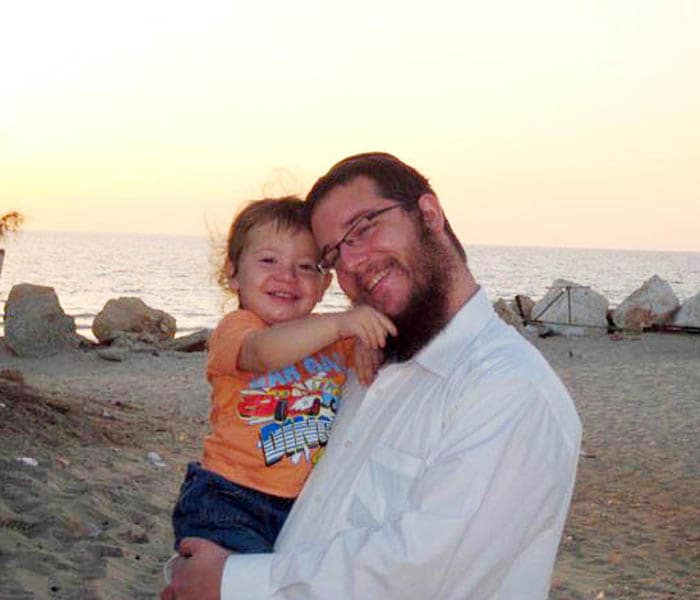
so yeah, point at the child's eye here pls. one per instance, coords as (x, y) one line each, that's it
(268, 260)
(307, 267)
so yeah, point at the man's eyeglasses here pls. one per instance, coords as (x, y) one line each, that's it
(359, 232)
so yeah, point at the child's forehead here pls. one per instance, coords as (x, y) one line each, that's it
(270, 229)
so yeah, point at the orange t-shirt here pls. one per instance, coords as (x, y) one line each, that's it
(266, 429)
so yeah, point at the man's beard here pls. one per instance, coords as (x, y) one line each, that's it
(426, 313)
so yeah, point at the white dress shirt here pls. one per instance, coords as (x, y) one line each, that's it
(449, 477)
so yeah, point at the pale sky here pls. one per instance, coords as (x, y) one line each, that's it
(539, 123)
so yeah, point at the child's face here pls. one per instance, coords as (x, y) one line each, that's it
(276, 276)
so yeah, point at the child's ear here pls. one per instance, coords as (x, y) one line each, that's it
(325, 282)
(230, 271)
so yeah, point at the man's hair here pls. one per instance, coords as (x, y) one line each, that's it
(288, 213)
(395, 180)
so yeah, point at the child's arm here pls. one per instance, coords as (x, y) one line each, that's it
(366, 361)
(288, 342)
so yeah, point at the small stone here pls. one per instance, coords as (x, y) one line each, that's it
(26, 460)
(155, 459)
(113, 354)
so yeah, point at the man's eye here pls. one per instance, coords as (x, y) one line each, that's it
(360, 230)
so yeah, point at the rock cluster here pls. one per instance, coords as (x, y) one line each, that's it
(36, 326)
(569, 308)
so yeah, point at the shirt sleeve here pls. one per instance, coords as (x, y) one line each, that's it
(226, 341)
(490, 491)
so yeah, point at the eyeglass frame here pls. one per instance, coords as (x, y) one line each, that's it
(335, 248)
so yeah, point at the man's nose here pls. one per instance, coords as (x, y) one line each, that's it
(352, 257)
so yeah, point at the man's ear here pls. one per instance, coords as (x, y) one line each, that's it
(431, 212)
(230, 271)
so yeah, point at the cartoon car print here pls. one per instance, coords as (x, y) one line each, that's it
(279, 403)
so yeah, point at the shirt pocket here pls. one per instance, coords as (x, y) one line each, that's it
(383, 486)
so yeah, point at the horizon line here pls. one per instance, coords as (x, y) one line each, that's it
(10, 235)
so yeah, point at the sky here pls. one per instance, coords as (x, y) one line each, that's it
(539, 123)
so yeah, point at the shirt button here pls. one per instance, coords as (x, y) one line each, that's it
(348, 443)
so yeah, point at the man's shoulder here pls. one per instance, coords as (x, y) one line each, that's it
(497, 348)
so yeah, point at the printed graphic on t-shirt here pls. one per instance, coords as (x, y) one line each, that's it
(294, 412)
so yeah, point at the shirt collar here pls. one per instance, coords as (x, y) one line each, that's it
(445, 349)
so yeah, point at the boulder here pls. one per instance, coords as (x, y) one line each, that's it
(689, 313)
(569, 308)
(35, 324)
(652, 304)
(523, 305)
(134, 320)
(194, 342)
(508, 313)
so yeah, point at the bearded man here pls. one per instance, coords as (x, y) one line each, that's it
(450, 476)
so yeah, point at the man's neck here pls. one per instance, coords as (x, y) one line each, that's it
(462, 289)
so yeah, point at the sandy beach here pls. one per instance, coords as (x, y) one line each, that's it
(92, 518)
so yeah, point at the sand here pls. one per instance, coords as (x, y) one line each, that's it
(92, 518)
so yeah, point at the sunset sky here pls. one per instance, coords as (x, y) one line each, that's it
(541, 123)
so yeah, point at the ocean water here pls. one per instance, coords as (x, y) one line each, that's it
(176, 274)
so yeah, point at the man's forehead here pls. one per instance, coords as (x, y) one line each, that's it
(345, 203)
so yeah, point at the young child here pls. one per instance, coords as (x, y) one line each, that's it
(276, 373)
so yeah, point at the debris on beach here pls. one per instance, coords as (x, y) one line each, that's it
(12, 375)
(113, 354)
(155, 459)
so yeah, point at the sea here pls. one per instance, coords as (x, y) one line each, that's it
(177, 273)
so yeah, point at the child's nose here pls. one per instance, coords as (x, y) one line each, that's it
(287, 272)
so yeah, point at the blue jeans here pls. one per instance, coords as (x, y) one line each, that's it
(234, 516)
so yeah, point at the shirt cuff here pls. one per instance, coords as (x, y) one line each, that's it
(246, 577)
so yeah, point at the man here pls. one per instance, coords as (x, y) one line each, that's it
(451, 475)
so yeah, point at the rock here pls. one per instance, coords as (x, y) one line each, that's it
(652, 304)
(35, 324)
(194, 342)
(523, 305)
(578, 311)
(112, 353)
(132, 319)
(155, 459)
(508, 313)
(689, 313)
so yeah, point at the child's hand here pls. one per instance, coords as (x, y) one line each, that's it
(366, 324)
(367, 361)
